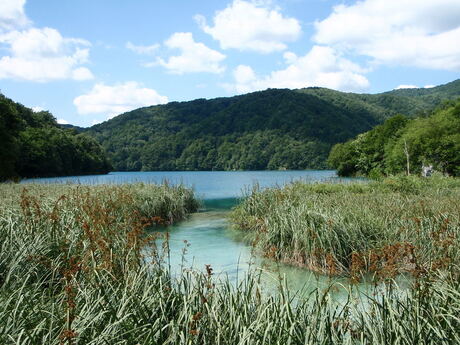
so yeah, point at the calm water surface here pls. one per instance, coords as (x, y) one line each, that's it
(206, 235)
(207, 184)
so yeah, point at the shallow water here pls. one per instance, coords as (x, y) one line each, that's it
(206, 238)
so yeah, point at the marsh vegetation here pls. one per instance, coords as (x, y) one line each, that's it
(400, 224)
(74, 269)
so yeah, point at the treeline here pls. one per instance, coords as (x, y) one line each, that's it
(251, 151)
(32, 144)
(404, 145)
(272, 129)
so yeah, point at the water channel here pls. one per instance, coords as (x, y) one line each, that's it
(207, 237)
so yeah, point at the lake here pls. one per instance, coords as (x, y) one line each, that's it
(206, 235)
(207, 184)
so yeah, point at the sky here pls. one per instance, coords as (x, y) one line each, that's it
(86, 61)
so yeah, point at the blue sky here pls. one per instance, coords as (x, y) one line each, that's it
(87, 61)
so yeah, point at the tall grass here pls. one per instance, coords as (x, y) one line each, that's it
(72, 272)
(400, 224)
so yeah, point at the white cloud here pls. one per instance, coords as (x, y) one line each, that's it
(117, 99)
(404, 86)
(82, 73)
(251, 26)
(38, 54)
(244, 75)
(410, 86)
(322, 66)
(62, 122)
(143, 50)
(37, 109)
(404, 32)
(194, 57)
(12, 15)
(43, 55)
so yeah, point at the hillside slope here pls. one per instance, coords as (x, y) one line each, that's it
(404, 145)
(32, 144)
(272, 129)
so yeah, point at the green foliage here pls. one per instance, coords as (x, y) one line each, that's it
(10, 124)
(429, 140)
(77, 266)
(272, 129)
(434, 140)
(32, 144)
(343, 158)
(399, 224)
(365, 153)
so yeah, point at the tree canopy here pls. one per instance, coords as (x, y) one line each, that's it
(32, 144)
(388, 148)
(272, 129)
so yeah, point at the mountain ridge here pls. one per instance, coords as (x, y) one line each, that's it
(270, 129)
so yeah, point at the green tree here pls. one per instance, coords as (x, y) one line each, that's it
(10, 125)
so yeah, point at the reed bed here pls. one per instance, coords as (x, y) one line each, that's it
(400, 224)
(73, 271)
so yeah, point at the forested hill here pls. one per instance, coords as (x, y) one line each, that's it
(402, 144)
(272, 129)
(32, 144)
(410, 102)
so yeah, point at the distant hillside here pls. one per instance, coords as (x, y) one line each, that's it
(272, 129)
(410, 102)
(32, 144)
(76, 128)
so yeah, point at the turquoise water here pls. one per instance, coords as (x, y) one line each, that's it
(207, 184)
(206, 238)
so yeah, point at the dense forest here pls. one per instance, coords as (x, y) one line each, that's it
(32, 144)
(401, 145)
(272, 129)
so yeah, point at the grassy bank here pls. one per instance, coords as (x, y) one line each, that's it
(400, 224)
(69, 253)
(72, 272)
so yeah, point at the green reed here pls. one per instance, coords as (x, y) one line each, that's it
(73, 270)
(386, 227)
